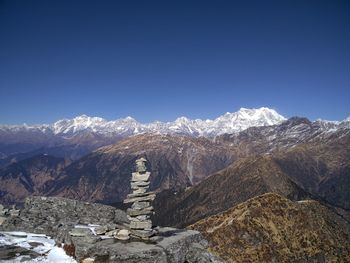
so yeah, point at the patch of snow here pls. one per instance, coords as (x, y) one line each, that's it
(49, 253)
(57, 255)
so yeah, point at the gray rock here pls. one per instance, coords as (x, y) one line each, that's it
(144, 234)
(177, 243)
(140, 205)
(100, 230)
(198, 254)
(171, 246)
(140, 199)
(138, 187)
(133, 194)
(147, 224)
(137, 177)
(145, 211)
(139, 190)
(143, 217)
(141, 183)
(123, 234)
(10, 253)
(113, 251)
(14, 212)
(47, 215)
(80, 232)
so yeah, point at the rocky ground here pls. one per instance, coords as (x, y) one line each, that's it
(90, 233)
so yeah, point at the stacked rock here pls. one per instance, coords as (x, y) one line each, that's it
(141, 209)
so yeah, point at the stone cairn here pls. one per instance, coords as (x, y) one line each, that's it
(141, 209)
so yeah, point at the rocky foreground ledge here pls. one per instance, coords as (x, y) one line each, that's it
(89, 232)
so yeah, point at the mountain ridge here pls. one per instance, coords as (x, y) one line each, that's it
(227, 123)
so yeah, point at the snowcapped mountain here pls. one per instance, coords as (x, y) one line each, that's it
(227, 123)
(72, 138)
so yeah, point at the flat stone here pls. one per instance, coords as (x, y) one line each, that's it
(17, 234)
(112, 251)
(80, 232)
(139, 190)
(137, 177)
(140, 199)
(88, 260)
(141, 233)
(100, 230)
(140, 205)
(138, 184)
(145, 211)
(143, 217)
(139, 194)
(141, 225)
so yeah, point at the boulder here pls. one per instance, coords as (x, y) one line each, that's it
(122, 234)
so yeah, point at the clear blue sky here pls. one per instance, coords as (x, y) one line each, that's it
(157, 60)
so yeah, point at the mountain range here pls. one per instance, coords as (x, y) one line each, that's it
(308, 159)
(267, 174)
(73, 138)
(227, 123)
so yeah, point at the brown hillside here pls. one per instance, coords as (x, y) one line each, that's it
(271, 228)
(239, 182)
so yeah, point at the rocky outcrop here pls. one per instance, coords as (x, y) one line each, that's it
(271, 228)
(88, 233)
(52, 215)
(170, 245)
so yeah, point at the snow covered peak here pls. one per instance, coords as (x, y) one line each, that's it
(245, 118)
(227, 123)
(347, 119)
(78, 123)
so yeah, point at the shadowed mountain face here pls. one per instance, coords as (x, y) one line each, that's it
(322, 169)
(174, 161)
(73, 148)
(244, 179)
(29, 177)
(271, 228)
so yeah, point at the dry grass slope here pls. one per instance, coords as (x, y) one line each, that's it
(271, 228)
